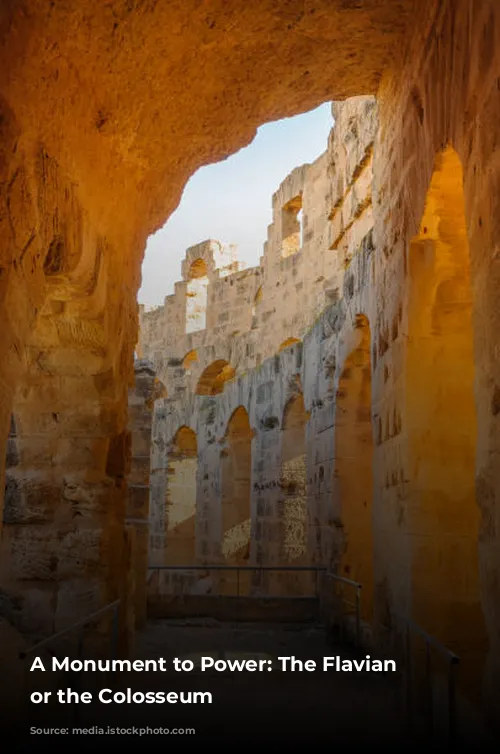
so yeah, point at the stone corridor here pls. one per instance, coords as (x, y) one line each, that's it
(336, 405)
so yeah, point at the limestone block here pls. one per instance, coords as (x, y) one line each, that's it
(138, 500)
(29, 501)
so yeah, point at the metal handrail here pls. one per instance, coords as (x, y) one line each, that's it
(79, 624)
(343, 580)
(441, 648)
(233, 568)
(356, 605)
(453, 661)
(245, 568)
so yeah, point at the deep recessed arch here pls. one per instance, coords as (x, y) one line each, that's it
(291, 226)
(236, 473)
(293, 482)
(214, 377)
(184, 442)
(181, 498)
(197, 269)
(443, 515)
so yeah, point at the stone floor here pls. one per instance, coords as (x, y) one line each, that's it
(284, 708)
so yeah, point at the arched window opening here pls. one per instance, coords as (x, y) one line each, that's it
(442, 510)
(236, 472)
(353, 468)
(181, 498)
(293, 504)
(196, 296)
(291, 226)
(214, 377)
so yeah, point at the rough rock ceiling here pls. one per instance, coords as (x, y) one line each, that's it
(131, 96)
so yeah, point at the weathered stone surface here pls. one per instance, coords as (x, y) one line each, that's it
(252, 365)
(104, 116)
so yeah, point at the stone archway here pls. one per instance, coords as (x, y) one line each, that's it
(181, 499)
(293, 483)
(214, 376)
(443, 513)
(189, 359)
(236, 490)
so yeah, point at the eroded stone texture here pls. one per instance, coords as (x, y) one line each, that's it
(104, 116)
(261, 355)
(419, 556)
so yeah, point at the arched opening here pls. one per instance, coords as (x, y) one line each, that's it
(443, 513)
(198, 270)
(181, 499)
(353, 472)
(189, 359)
(196, 296)
(236, 473)
(291, 226)
(293, 484)
(287, 343)
(214, 377)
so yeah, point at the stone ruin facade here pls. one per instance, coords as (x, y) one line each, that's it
(280, 439)
(243, 463)
(104, 116)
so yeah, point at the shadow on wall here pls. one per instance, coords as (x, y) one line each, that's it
(236, 473)
(293, 503)
(444, 517)
(181, 499)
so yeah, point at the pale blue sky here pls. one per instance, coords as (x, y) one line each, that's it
(231, 200)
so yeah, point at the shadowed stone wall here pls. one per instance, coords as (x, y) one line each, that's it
(104, 117)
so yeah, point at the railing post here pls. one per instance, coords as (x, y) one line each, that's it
(452, 702)
(409, 715)
(358, 618)
(114, 633)
(430, 700)
(237, 582)
(76, 707)
(342, 626)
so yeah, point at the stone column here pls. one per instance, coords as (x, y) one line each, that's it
(158, 487)
(64, 546)
(141, 400)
